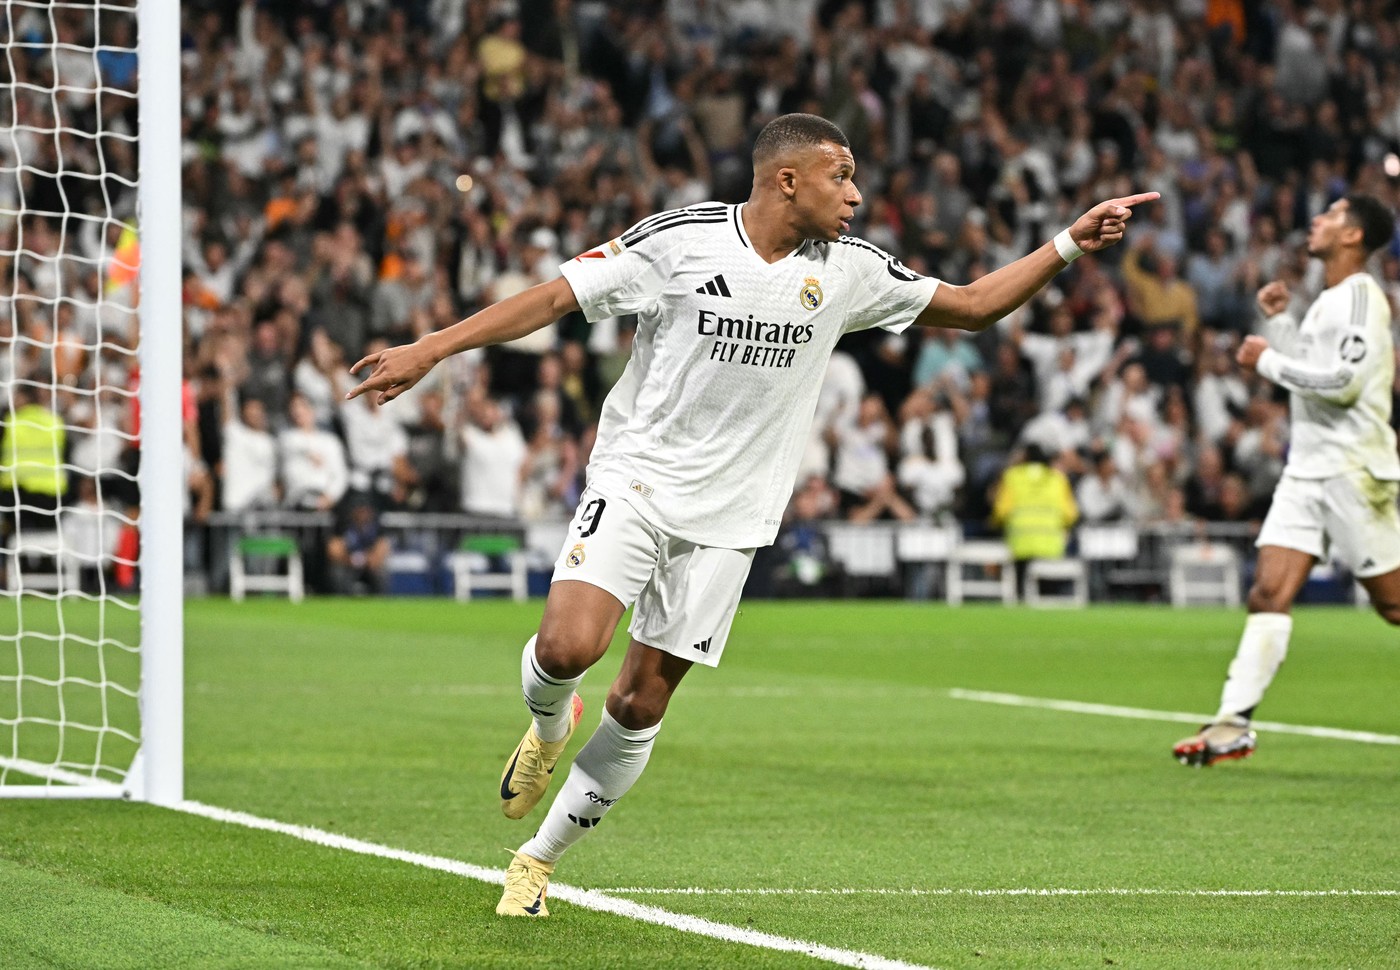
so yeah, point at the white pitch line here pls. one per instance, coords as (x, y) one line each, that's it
(586, 898)
(962, 891)
(56, 782)
(1144, 714)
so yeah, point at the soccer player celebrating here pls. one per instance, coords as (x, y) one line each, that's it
(739, 308)
(1340, 483)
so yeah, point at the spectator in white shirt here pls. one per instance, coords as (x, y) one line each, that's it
(1070, 379)
(377, 446)
(401, 166)
(1220, 395)
(314, 472)
(929, 466)
(249, 463)
(90, 529)
(317, 376)
(842, 388)
(1102, 494)
(1061, 434)
(1129, 395)
(97, 446)
(1043, 349)
(550, 470)
(493, 460)
(1134, 458)
(862, 473)
(338, 132)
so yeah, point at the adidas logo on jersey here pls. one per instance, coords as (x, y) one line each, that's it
(716, 287)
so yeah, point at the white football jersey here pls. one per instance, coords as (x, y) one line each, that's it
(706, 427)
(1340, 366)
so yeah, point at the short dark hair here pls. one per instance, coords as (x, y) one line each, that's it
(1374, 217)
(795, 131)
(1036, 454)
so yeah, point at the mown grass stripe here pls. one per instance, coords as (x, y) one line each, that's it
(585, 898)
(967, 891)
(1145, 714)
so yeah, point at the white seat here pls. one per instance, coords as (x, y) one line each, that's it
(543, 542)
(865, 550)
(1108, 541)
(922, 547)
(265, 549)
(40, 560)
(1106, 548)
(1071, 571)
(923, 542)
(982, 555)
(1204, 572)
(411, 567)
(408, 561)
(476, 566)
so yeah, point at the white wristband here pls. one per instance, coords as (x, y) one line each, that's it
(1066, 246)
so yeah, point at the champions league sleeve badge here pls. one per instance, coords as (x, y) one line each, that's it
(811, 295)
(614, 247)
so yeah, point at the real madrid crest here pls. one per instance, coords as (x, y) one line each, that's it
(811, 295)
(575, 556)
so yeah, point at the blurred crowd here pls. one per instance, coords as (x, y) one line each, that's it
(359, 172)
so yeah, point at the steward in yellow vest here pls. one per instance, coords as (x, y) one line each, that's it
(32, 439)
(1035, 508)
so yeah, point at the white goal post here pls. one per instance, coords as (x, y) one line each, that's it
(92, 587)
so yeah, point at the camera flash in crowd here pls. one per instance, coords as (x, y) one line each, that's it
(464, 182)
(1392, 165)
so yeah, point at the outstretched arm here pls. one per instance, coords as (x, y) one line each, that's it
(1337, 380)
(1341, 357)
(978, 305)
(399, 368)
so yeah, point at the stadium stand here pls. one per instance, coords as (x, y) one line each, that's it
(367, 171)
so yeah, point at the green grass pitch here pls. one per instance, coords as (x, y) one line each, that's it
(825, 753)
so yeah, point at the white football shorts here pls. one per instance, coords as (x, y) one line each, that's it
(684, 595)
(1354, 515)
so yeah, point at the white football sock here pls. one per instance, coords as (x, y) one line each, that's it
(1262, 648)
(549, 698)
(603, 771)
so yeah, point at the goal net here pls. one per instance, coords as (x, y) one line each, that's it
(89, 675)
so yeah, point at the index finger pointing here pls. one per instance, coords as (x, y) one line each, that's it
(1132, 200)
(366, 361)
(375, 382)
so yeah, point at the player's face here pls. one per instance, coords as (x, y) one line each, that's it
(828, 195)
(1327, 227)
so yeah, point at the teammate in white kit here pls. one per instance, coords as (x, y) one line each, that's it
(739, 308)
(1338, 491)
